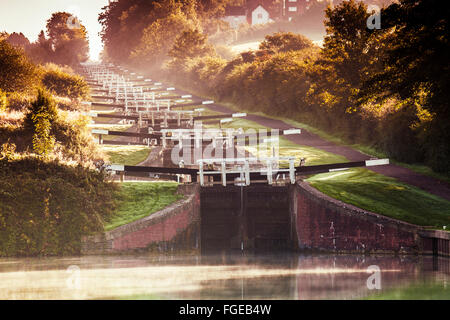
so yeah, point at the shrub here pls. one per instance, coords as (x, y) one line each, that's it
(62, 82)
(285, 41)
(46, 206)
(3, 101)
(17, 73)
(74, 139)
(40, 117)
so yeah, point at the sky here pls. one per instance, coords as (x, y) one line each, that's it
(30, 17)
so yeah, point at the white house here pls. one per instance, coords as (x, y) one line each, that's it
(260, 16)
(235, 16)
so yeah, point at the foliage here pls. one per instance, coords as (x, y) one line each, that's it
(285, 41)
(73, 138)
(68, 42)
(142, 32)
(3, 100)
(190, 44)
(18, 40)
(40, 117)
(17, 73)
(41, 50)
(46, 206)
(7, 151)
(64, 83)
(158, 39)
(135, 26)
(415, 67)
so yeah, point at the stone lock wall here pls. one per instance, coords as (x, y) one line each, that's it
(324, 223)
(175, 228)
(316, 222)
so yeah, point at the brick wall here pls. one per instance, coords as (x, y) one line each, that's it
(176, 227)
(324, 223)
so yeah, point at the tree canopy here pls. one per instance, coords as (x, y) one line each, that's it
(17, 73)
(67, 38)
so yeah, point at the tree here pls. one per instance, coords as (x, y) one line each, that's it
(190, 44)
(126, 24)
(159, 37)
(17, 73)
(285, 41)
(3, 35)
(348, 57)
(68, 39)
(41, 50)
(416, 67)
(18, 40)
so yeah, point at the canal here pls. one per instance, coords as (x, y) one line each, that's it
(231, 276)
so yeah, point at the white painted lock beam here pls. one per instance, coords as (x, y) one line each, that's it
(116, 167)
(226, 120)
(100, 131)
(376, 162)
(292, 131)
(273, 139)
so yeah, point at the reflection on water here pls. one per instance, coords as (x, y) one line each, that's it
(290, 276)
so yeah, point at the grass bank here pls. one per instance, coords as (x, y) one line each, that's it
(127, 155)
(374, 192)
(416, 291)
(136, 200)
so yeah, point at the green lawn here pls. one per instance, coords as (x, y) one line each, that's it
(417, 291)
(387, 196)
(127, 155)
(137, 200)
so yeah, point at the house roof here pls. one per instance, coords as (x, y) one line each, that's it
(253, 4)
(235, 11)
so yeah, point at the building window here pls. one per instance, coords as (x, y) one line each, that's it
(259, 15)
(292, 9)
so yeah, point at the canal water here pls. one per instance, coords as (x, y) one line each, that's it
(283, 276)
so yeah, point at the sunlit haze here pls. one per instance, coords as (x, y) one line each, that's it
(30, 17)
